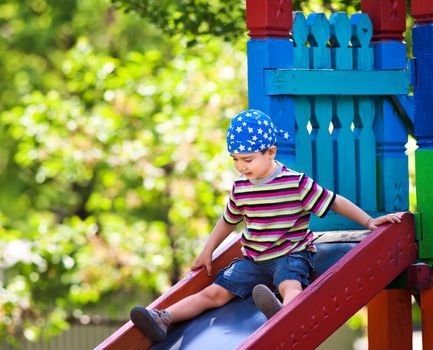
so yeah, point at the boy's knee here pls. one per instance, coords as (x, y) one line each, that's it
(216, 294)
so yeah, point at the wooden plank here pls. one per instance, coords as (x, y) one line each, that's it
(366, 190)
(300, 35)
(424, 196)
(390, 320)
(340, 236)
(341, 32)
(323, 153)
(272, 53)
(362, 31)
(342, 290)
(426, 301)
(304, 151)
(344, 148)
(319, 33)
(129, 337)
(335, 82)
(392, 162)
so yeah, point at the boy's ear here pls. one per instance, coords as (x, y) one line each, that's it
(272, 151)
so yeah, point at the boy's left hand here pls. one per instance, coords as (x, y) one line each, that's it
(389, 218)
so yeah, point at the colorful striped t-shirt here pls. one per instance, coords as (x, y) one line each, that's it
(276, 212)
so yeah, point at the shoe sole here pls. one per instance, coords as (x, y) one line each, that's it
(144, 321)
(266, 301)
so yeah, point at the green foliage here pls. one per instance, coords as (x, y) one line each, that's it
(200, 20)
(113, 162)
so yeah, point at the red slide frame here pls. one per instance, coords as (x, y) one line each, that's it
(319, 310)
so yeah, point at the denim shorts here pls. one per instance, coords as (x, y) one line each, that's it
(243, 274)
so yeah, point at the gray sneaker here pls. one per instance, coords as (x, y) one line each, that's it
(153, 323)
(266, 301)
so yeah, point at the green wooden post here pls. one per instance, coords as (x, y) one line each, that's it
(424, 198)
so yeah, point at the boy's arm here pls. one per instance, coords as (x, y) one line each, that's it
(350, 210)
(221, 230)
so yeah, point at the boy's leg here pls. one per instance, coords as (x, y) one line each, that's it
(291, 273)
(268, 303)
(211, 297)
(289, 289)
(154, 323)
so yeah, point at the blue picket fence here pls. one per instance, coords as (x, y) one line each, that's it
(331, 88)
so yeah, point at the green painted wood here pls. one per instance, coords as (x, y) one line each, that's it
(299, 36)
(304, 150)
(334, 82)
(319, 32)
(323, 155)
(362, 32)
(341, 32)
(365, 154)
(344, 147)
(424, 197)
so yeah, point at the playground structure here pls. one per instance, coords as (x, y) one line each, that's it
(340, 86)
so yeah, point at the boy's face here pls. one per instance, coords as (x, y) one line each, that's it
(255, 165)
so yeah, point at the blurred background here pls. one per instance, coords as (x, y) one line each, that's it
(113, 167)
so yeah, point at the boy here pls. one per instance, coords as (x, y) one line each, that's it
(275, 204)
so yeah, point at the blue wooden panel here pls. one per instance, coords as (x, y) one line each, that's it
(319, 32)
(334, 82)
(392, 163)
(366, 154)
(300, 35)
(344, 147)
(323, 155)
(362, 32)
(341, 32)
(404, 106)
(262, 54)
(390, 55)
(337, 222)
(304, 150)
(391, 135)
(272, 53)
(282, 112)
(422, 37)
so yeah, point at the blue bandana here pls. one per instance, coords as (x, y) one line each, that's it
(252, 131)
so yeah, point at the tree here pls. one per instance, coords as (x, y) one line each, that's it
(203, 19)
(113, 161)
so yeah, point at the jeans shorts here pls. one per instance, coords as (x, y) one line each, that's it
(244, 274)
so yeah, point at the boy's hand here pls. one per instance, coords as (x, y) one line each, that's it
(204, 259)
(389, 218)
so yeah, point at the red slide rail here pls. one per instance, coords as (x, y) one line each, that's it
(341, 291)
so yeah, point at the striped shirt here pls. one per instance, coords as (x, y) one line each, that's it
(276, 212)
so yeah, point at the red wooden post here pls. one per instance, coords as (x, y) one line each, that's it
(269, 18)
(390, 320)
(422, 11)
(388, 18)
(427, 318)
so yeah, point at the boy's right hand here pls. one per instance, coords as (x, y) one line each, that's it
(204, 259)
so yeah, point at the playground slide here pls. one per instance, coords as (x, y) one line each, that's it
(347, 276)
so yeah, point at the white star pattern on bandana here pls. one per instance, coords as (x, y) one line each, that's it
(246, 133)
